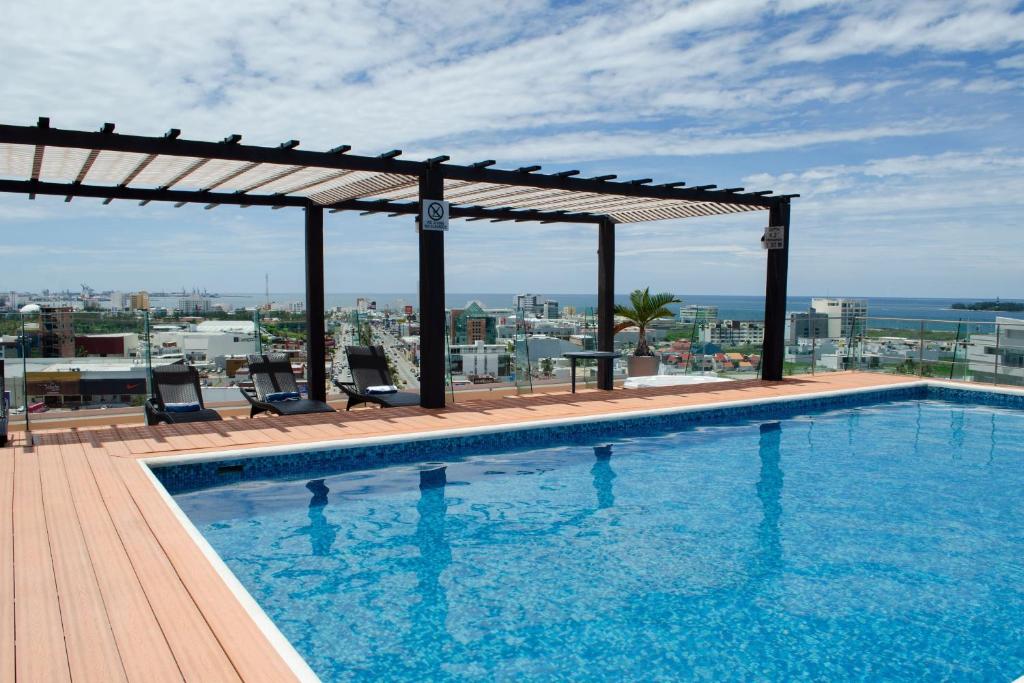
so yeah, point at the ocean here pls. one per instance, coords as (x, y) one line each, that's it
(729, 307)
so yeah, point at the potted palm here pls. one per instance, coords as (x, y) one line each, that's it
(645, 309)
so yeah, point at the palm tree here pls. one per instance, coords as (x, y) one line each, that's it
(646, 309)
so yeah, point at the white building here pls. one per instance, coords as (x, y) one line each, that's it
(203, 346)
(999, 356)
(846, 317)
(530, 303)
(119, 301)
(480, 359)
(694, 313)
(733, 333)
(194, 303)
(235, 326)
(551, 309)
(542, 346)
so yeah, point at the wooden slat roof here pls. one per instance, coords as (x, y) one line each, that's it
(44, 160)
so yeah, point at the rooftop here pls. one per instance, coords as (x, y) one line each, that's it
(101, 581)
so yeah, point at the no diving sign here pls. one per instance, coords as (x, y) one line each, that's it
(434, 215)
(774, 237)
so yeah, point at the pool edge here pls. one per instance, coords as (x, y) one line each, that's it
(284, 648)
(276, 638)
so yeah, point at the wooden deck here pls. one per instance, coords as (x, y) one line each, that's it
(100, 582)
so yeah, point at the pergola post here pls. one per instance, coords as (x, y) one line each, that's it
(605, 299)
(774, 348)
(432, 323)
(316, 379)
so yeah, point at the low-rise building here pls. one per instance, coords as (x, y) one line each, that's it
(733, 333)
(697, 314)
(999, 355)
(846, 317)
(116, 345)
(480, 360)
(806, 325)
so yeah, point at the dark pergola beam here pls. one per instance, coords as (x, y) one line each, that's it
(468, 212)
(605, 300)
(137, 170)
(316, 350)
(86, 166)
(195, 166)
(181, 197)
(432, 311)
(774, 346)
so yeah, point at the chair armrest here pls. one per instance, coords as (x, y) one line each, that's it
(153, 412)
(250, 395)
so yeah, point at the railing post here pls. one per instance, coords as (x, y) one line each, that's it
(24, 380)
(256, 330)
(147, 331)
(920, 352)
(862, 329)
(814, 339)
(995, 369)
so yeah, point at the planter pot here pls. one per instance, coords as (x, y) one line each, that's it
(642, 366)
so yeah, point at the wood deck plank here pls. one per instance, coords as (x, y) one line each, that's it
(242, 640)
(7, 564)
(144, 651)
(92, 652)
(38, 630)
(197, 652)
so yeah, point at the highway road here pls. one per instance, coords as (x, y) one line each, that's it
(346, 336)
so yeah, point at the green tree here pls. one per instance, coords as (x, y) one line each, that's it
(547, 366)
(645, 309)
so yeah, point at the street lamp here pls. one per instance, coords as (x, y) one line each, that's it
(27, 309)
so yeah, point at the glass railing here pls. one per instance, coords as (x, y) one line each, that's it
(57, 359)
(974, 351)
(726, 348)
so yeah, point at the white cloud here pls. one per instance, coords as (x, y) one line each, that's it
(1014, 62)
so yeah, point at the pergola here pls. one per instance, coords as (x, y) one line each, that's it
(41, 160)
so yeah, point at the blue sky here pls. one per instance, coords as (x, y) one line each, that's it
(900, 124)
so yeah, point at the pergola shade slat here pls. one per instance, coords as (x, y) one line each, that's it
(323, 179)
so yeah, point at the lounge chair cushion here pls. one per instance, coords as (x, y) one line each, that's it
(203, 415)
(300, 407)
(382, 389)
(283, 396)
(191, 407)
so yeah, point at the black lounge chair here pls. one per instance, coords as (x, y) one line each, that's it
(369, 367)
(275, 389)
(177, 397)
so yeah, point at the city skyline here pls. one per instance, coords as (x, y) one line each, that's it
(898, 126)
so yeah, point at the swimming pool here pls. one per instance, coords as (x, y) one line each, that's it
(851, 538)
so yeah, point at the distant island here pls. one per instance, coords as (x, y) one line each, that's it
(996, 305)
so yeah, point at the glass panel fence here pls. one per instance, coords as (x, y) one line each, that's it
(974, 351)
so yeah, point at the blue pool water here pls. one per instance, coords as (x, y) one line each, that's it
(880, 542)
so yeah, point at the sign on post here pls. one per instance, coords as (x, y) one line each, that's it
(774, 237)
(434, 215)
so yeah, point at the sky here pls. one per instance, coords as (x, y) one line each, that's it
(900, 124)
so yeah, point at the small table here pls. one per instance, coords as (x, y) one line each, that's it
(573, 356)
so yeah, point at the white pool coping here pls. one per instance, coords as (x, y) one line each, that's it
(281, 644)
